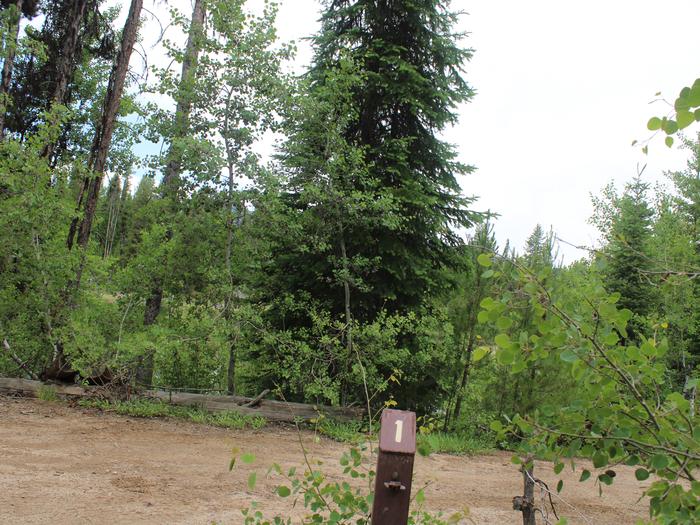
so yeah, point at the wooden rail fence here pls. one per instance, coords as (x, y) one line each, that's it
(271, 410)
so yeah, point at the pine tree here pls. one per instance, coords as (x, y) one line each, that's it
(625, 222)
(627, 249)
(412, 64)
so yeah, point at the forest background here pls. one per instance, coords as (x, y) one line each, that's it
(349, 268)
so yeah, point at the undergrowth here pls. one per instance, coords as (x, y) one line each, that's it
(150, 408)
(47, 393)
(458, 444)
(429, 442)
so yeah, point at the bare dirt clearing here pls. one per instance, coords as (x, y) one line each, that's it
(68, 465)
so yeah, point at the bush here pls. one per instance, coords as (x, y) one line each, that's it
(332, 502)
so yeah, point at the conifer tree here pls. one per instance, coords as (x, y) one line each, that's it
(626, 252)
(411, 63)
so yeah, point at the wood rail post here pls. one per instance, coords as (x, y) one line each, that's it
(397, 449)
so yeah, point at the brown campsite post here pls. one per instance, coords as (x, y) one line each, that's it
(397, 448)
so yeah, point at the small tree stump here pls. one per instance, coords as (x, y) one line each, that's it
(526, 502)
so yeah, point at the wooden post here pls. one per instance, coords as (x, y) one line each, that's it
(526, 502)
(397, 449)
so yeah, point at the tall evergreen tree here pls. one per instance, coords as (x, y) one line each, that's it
(627, 249)
(412, 64)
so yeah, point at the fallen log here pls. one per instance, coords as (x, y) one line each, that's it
(271, 410)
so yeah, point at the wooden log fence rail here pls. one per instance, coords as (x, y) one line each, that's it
(272, 410)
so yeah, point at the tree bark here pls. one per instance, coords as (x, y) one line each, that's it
(526, 502)
(67, 58)
(8, 62)
(144, 372)
(103, 138)
(66, 63)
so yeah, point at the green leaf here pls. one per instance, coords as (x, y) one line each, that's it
(503, 341)
(670, 127)
(558, 467)
(654, 123)
(283, 491)
(685, 119)
(248, 458)
(252, 479)
(506, 356)
(641, 474)
(632, 461)
(585, 475)
(605, 478)
(668, 141)
(659, 461)
(420, 497)
(600, 459)
(484, 260)
(560, 485)
(480, 353)
(504, 323)
(569, 356)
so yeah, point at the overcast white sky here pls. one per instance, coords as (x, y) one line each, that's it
(563, 88)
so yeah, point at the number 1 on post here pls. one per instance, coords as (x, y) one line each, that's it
(399, 431)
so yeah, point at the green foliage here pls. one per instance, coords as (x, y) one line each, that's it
(47, 393)
(686, 111)
(624, 410)
(626, 256)
(333, 502)
(342, 431)
(410, 84)
(454, 443)
(149, 408)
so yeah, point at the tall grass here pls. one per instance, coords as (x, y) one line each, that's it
(150, 408)
(46, 393)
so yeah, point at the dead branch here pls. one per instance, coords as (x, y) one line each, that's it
(256, 400)
(17, 360)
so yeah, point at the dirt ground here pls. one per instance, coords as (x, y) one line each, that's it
(64, 465)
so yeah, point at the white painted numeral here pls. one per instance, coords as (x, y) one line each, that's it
(399, 431)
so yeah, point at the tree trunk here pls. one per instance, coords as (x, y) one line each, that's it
(8, 62)
(232, 338)
(103, 139)
(144, 372)
(67, 58)
(348, 316)
(465, 377)
(526, 502)
(98, 158)
(231, 371)
(185, 99)
(346, 290)
(66, 61)
(474, 307)
(173, 166)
